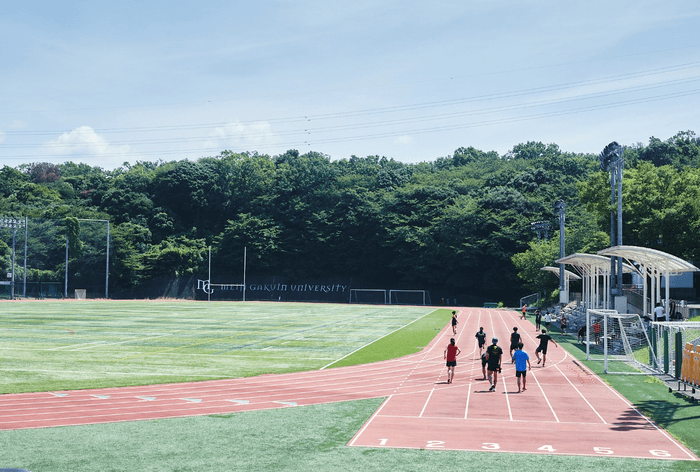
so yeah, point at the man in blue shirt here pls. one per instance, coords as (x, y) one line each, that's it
(522, 365)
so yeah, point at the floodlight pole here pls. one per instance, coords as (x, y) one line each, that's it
(209, 277)
(26, 236)
(245, 259)
(560, 206)
(65, 283)
(612, 160)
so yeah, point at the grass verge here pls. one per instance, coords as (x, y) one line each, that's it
(407, 340)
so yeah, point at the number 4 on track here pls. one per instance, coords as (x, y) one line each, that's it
(547, 448)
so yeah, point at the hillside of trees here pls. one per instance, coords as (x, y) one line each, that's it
(457, 225)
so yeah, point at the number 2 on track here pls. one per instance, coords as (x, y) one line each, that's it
(434, 444)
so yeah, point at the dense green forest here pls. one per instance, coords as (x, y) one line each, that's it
(457, 225)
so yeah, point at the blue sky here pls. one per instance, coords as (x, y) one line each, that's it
(111, 82)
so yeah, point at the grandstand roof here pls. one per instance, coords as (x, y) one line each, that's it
(651, 259)
(570, 274)
(592, 261)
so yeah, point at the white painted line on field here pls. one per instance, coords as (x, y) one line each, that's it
(545, 397)
(581, 394)
(359, 348)
(426, 403)
(376, 413)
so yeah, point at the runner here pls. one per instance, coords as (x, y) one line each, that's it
(450, 355)
(547, 320)
(481, 337)
(544, 340)
(493, 356)
(522, 365)
(483, 365)
(563, 324)
(454, 322)
(524, 315)
(514, 340)
(538, 319)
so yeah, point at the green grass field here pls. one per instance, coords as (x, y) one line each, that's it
(101, 342)
(60, 345)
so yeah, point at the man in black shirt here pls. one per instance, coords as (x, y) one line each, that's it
(493, 357)
(481, 337)
(514, 340)
(544, 340)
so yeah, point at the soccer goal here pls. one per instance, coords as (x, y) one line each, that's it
(618, 339)
(370, 296)
(409, 297)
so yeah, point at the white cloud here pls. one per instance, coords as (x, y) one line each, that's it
(236, 134)
(85, 141)
(403, 140)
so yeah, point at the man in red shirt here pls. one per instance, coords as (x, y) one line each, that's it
(450, 355)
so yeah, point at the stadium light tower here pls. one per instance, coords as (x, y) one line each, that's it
(13, 223)
(612, 160)
(560, 207)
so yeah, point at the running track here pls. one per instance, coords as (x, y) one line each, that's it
(566, 410)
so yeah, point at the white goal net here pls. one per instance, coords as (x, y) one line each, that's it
(620, 341)
(668, 341)
(371, 296)
(409, 297)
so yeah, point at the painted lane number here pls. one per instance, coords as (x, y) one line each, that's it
(490, 446)
(435, 444)
(659, 453)
(382, 442)
(547, 448)
(603, 450)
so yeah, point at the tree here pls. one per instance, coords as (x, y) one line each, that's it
(42, 172)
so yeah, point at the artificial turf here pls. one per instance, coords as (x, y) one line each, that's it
(303, 438)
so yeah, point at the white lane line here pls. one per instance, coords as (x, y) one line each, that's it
(660, 430)
(581, 394)
(545, 397)
(469, 394)
(376, 413)
(426, 403)
(397, 329)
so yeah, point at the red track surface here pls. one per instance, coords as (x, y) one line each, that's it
(566, 409)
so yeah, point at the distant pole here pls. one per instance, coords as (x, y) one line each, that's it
(560, 206)
(209, 277)
(245, 256)
(12, 284)
(107, 268)
(65, 288)
(26, 236)
(612, 160)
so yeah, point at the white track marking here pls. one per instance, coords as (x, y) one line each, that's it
(581, 394)
(426, 403)
(353, 352)
(369, 421)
